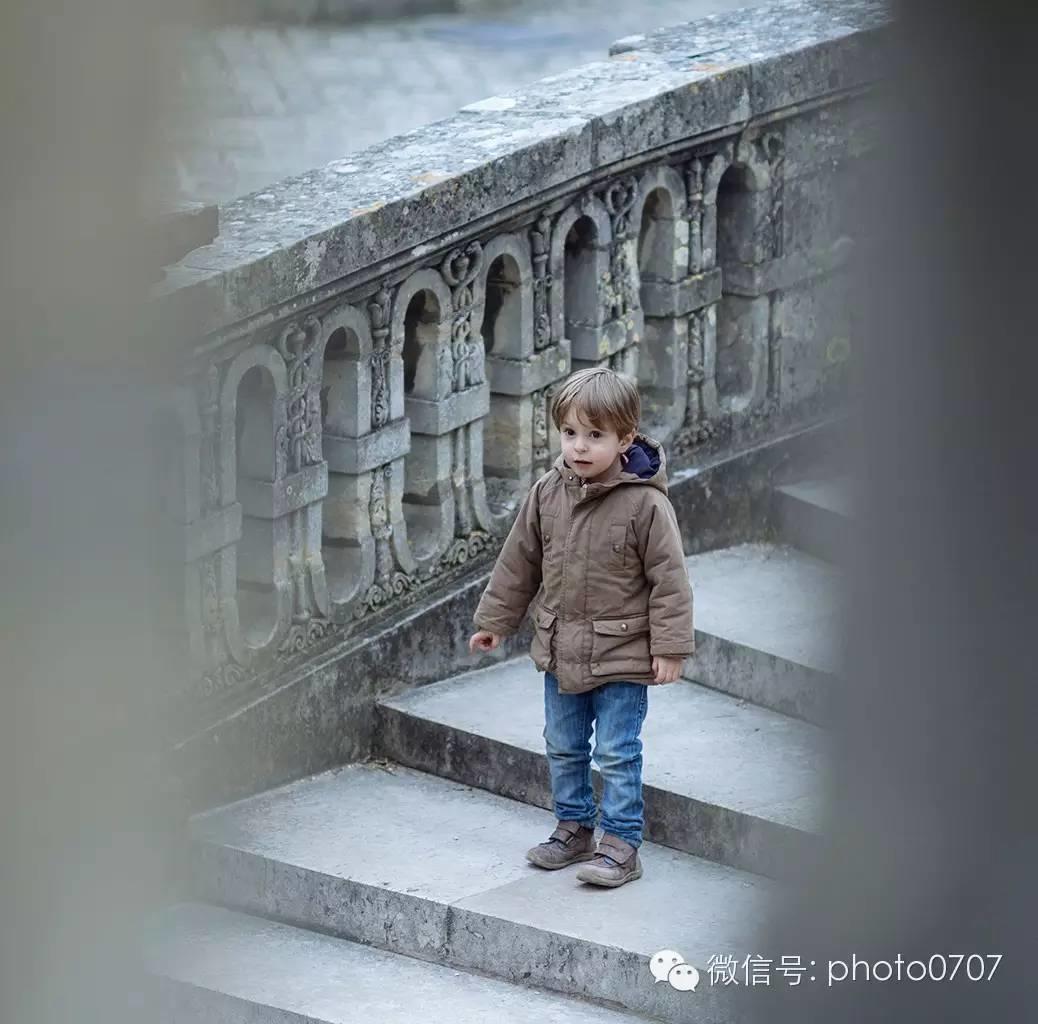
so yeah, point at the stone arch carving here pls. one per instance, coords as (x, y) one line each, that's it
(420, 329)
(347, 413)
(252, 458)
(504, 298)
(345, 351)
(741, 345)
(660, 234)
(579, 265)
(704, 175)
(658, 219)
(735, 210)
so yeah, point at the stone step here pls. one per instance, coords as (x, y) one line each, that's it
(419, 865)
(222, 965)
(723, 779)
(767, 627)
(815, 515)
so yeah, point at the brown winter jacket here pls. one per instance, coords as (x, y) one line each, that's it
(603, 564)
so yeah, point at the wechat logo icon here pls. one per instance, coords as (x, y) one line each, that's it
(669, 965)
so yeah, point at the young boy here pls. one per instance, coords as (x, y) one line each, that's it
(596, 547)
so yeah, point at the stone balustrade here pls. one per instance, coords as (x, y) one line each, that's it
(370, 350)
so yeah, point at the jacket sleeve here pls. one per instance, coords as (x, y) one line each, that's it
(517, 573)
(671, 631)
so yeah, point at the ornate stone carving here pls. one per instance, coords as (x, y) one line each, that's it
(212, 619)
(463, 550)
(379, 310)
(694, 170)
(694, 177)
(300, 438)
(540, 430)
(460, 270)
(460, 553)
(541, 427)
(772, 148)
(381, 524)
(697, 427)
(227, 676)
(696, 373)
(691, 436)
(702, 173)
(774, 348)
(389, 581)
(381, 594)
(303, 635)
(300, 442)
(619, 199)
(540, 245)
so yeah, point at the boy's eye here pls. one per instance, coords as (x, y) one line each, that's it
(595, 435)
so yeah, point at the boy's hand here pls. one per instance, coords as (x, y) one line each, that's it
(483, 641)
(667, 670)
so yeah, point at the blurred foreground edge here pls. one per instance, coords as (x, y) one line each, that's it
(932, 845)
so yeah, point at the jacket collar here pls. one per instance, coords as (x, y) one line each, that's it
(612, 473)
(616, 475)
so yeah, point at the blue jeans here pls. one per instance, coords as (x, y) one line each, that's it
(617, 711)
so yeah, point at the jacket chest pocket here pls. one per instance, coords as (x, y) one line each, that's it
(620, 645)
(543, 638)
(618, 557)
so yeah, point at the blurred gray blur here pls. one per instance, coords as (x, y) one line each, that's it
(932, 820)
(85, 825)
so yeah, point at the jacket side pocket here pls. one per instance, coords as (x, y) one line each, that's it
(543, 638)
(619, 646)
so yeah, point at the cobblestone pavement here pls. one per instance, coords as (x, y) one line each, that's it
(263, 103)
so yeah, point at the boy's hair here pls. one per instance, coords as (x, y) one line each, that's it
(600, 396)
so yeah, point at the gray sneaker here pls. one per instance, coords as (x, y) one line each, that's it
(615, 863)
(569, 843)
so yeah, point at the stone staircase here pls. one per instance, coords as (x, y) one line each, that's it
(397, 889)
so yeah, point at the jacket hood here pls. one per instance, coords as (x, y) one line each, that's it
(643, 463)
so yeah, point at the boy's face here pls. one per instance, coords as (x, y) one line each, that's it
(588, 449)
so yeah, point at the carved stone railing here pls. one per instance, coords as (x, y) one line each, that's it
(371, 349)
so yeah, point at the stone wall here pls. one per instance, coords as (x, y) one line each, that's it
(370, 350)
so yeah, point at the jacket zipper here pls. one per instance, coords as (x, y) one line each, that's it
(565, 564)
